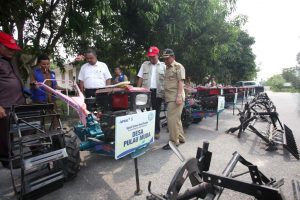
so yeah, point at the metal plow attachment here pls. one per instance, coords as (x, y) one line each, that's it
(262, 109)
(289, 142)
(274, 137)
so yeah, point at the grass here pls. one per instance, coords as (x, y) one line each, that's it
(289, 90)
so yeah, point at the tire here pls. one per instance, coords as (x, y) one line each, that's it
(197, 120)
(71, 164)
(186, 117)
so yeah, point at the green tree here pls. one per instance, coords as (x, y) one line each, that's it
(199, 31)
(40, 26)
(292, 75)
(239, 60)
(298, 58)
(276, 82)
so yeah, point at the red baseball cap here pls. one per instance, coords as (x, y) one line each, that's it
(153, 51)
(8, 41)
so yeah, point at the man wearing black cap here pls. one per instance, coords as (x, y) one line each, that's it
(174, 96)
(11, 90)
(151, 76)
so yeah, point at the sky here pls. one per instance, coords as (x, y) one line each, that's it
(275, 25)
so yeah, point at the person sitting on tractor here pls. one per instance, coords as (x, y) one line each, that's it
(119, 76)
(11, 91)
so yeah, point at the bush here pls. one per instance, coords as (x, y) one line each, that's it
(276, 82)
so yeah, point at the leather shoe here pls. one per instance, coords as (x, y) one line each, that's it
(167, 147)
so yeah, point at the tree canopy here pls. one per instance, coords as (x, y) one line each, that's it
(205, 40)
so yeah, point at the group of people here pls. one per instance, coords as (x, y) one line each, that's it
(164, 79)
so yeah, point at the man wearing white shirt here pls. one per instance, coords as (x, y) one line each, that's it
(151, 76)
(93, 75)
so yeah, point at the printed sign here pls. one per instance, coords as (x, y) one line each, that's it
(221, 103)
(235, 98)
(134, 132)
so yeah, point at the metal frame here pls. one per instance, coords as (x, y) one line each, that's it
(32, 147)
(206, 185)
(276, 133)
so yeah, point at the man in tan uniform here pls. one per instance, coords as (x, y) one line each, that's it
(174, 96)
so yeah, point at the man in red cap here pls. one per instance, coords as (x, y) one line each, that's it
(151, 76)
(11, 90)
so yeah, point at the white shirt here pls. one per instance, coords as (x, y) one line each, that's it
(94, 76)
(153, 77)
(153, 83)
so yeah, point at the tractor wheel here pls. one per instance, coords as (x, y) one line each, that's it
(72, 162)
(186, 117)
(197, 120)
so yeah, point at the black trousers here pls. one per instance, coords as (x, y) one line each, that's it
(90, 93)
(4, 137)
(156, 105)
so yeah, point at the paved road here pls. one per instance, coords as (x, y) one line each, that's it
(105, 178)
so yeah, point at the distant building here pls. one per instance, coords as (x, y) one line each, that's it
(70, 74)
(287, 84)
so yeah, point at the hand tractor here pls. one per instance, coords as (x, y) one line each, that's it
(191, 112)
(96, 132)
(50, 155)
(42, 156)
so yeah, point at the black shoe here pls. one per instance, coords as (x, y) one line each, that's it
(166, 147)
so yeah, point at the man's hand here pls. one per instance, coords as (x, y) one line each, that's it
(34, 84)
(140, 81)
(2, 112)
(179, 100)
(81, 86)
(108, 82)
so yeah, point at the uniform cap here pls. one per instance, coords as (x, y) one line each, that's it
(167, 53)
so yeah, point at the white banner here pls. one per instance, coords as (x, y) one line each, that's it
(134, 132)
(221, 103)
(235, 98)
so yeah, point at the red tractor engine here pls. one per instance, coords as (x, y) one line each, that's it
(114, 102)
